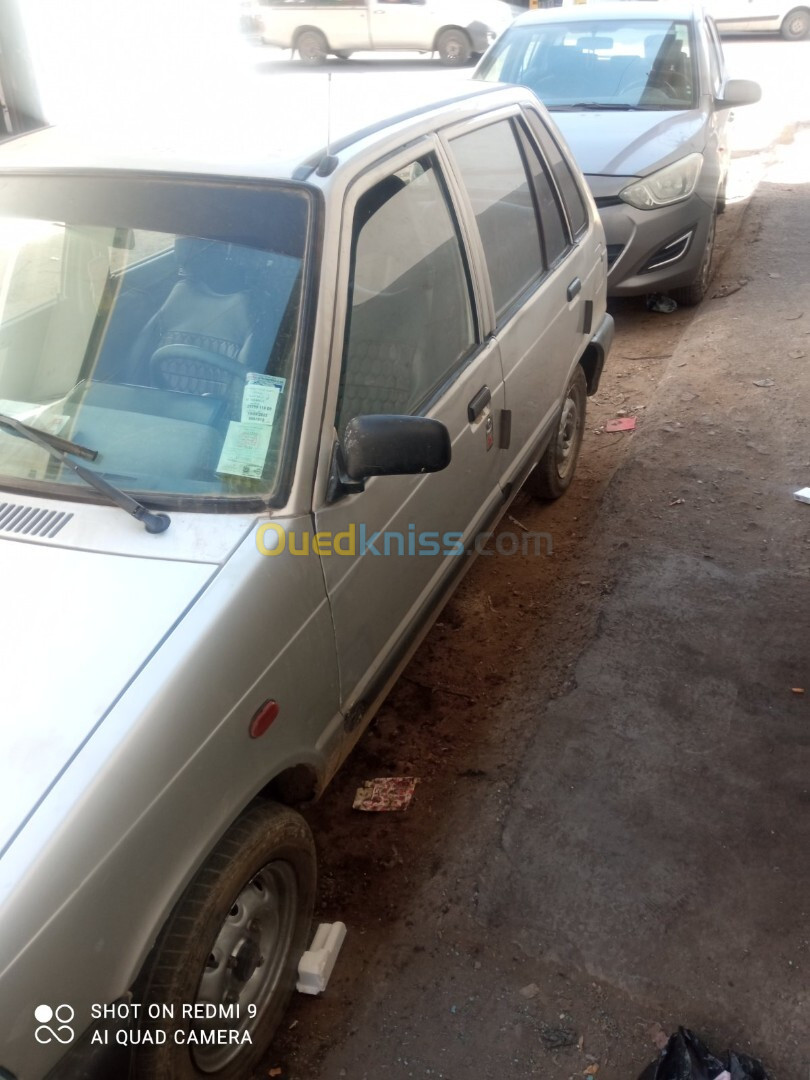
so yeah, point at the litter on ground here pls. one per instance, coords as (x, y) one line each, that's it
(385, 793)
(621, 423)
(315, 966)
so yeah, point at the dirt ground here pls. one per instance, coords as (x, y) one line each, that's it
(611, 823)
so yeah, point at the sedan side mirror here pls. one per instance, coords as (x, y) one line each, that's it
(383, 445)
(738, 92)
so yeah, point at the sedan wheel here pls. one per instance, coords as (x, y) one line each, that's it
(690, 295)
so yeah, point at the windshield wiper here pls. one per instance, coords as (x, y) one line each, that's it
(594, 105)
(26, 430)
(60, 448)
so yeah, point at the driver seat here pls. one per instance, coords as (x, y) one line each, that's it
(202, 339)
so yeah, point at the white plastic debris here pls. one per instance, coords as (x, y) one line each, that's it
(802, 495)
(317, 963)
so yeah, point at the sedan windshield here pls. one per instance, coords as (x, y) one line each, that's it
(615, 63)
(156, 322)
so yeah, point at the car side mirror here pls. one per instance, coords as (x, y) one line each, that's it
(388, 445)
(738, 92)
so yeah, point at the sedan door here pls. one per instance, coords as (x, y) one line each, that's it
(542, 281)
(409, 344)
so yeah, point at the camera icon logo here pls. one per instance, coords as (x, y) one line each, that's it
(54, 1024)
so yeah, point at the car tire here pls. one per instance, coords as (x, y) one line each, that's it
(795, 25)
(235, 937)
(312, 47)
(722, 197)
(556, 468)
(342, 54)
(690, 295)
(454, 48)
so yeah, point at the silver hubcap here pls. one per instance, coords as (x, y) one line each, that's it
(567, 437)
(246, 961)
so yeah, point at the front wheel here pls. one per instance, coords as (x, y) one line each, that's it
(555, 471)
(795, 25)
(690, 295)
(230, 950)
(454, 48)
(312, 47)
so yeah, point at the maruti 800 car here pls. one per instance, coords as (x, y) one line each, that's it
(260, 400)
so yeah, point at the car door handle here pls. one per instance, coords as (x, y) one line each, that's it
(478, 404)
(574, 288)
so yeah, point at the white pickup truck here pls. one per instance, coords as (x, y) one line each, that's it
(457, 30)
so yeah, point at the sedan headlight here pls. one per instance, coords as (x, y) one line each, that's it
(668, 185)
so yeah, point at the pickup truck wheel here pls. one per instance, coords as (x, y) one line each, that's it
(454, 48)
(795, 25)
(555, 471)
(233, 942)
(312, 47)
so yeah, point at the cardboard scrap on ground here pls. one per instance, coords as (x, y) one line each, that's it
(385, 793)
(622, 423)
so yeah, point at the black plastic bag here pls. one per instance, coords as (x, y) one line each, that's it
(686, 1058)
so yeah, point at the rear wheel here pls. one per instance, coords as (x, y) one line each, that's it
(312, 47)
(233, 942)
(690, 295)
(795, 25)
(555, 471)
(454, 47)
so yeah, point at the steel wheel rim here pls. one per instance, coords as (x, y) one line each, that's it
(247, 960)
(567, 437)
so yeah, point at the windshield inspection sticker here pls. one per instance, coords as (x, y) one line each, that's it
(245, 449)
(260, 398)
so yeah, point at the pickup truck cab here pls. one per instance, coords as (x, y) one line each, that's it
(457, 30)
(261, 403)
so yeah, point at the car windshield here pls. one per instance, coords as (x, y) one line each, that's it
(156, 323)
(616, 63)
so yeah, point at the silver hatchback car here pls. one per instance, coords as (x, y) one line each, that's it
(640, 92)
(257, 409)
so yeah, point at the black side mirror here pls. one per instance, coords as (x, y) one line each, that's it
(383, 445)
(738, 92)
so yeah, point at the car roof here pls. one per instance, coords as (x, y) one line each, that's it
(617, 9)
(283, 138)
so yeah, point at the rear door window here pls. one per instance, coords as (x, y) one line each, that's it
(494, 173)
